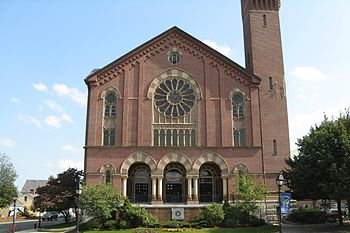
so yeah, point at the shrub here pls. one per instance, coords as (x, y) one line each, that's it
(236, 215)
(135, 216)
(308, 216)
(93, 224)
(213, 215)
(171, 224)
(110, 224)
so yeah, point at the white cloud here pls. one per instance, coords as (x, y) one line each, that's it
(300, 123)
(75, 94)
(224, 49)
(308, 73)
(67, 118)
(30, 119)
(67, 163)
(53, 105)
(15, 100)
(49, 165)
(40, 86)
(53, 121)
(8, 142)
(71, 148)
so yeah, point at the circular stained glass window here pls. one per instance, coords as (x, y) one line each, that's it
(174, 97)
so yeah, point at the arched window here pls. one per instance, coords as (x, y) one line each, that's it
(110, 104)
(108, 176)
(109, 116)
(238, 105)
(210, 183)
(174, 94)
(139, 187)
(174, 175)
(238, 119)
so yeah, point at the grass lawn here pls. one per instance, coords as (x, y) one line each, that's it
(263, 229)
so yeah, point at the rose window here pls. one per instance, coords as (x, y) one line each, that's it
(174, 97)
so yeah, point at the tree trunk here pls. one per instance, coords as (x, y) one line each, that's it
(340, 214)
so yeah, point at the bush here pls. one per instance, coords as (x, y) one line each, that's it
(308, 216)
(171, 224)
(110, 224)
(213, 215)
(93, 224)
(135, 216)
(235, 216)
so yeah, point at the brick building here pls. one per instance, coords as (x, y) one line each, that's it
(172, 122)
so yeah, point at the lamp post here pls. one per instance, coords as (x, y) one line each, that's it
(279, 182)
(78, 190)
(14, 214)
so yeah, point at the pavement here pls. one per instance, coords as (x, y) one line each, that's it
(316, 228)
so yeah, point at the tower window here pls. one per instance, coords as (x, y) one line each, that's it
(264, 20)
(270, 83)
(274, 144)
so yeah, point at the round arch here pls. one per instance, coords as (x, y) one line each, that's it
(174, 73)
(107, 166)
(110, 89)
(138, 157)
(174, 158)
(241, 167)
(214, 158)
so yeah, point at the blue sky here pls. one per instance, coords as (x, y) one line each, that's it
(47, 48)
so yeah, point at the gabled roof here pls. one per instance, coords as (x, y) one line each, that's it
(184, 34)
(33, 184)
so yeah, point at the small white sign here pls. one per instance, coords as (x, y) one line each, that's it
(177, 213)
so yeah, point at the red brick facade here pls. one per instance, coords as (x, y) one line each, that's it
(207, 143)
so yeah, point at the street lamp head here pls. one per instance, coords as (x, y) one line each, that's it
(280, 179)
(79, 188)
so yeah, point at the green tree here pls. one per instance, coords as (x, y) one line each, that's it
(249, 193)
(59, 193)
(322, 168)
(7, 178)
(100, 201)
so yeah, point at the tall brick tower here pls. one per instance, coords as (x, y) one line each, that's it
(263, 57)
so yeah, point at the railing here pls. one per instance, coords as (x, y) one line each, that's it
(175, 198)
(140, 199)
(210, 198)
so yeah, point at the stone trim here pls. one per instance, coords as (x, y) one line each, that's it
(174, 73)
(211, 157)
(174, 157)
(107, 166)
(138, 157)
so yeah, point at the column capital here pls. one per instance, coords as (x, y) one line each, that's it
(155, 176)
(124, 176)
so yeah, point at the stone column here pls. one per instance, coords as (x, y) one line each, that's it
(154, 189)
(160, 189)
(195, 188)
(224, 187)
(124, 181)
(189, 189)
